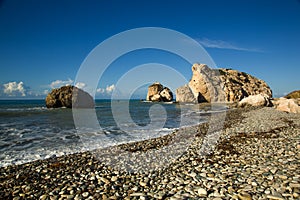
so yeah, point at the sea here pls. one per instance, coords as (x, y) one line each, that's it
(29, 131)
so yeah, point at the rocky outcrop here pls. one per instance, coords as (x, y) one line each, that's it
(238, 85)
(287, 105)
(221, 85)
(293, 95)
(200, 84)
(156, 92)
(185, 94)
(69, 96)
(153, 91)
(255, 101)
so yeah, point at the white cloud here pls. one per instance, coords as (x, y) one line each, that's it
(59, 83)
(100, 90)
(219, 44)
(46, 92)
(80, 85)
(108, 89)
(14, 89)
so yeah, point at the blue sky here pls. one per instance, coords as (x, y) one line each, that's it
(44, 43)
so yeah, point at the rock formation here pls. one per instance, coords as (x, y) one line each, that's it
(290, 103)
(220, 85)
(293, 95)
(287, 105)
(256, 100)
(185, 94)
(200, 83)
(68, 96)
(153, 91)
(156, 92)
(238, 85)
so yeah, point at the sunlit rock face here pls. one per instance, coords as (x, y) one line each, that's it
(220, 85)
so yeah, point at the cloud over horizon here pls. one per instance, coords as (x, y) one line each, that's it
(14, 89)
(80, 85)
(60, 83)
(108, 89)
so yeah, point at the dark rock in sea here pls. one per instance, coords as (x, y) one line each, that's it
(69, 96)
(157, 92)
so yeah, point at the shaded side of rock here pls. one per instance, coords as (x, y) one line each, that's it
(166, 95)
(69, 96)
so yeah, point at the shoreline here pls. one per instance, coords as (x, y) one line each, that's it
(256, 156)
(79, 147)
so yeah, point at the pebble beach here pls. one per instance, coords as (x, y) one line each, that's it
(256, 157)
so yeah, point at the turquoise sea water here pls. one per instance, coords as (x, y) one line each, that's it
(29, 131)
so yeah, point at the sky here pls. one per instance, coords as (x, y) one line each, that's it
(43, 44)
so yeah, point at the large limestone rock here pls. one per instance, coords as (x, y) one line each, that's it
(238, 85)
(157, 92)
(185, 94)
(68, 96)
(222, 85)
(287, 105)
(255, 101)
(199, 83)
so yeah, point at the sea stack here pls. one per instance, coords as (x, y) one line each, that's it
(69, 96)
(157, 92)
